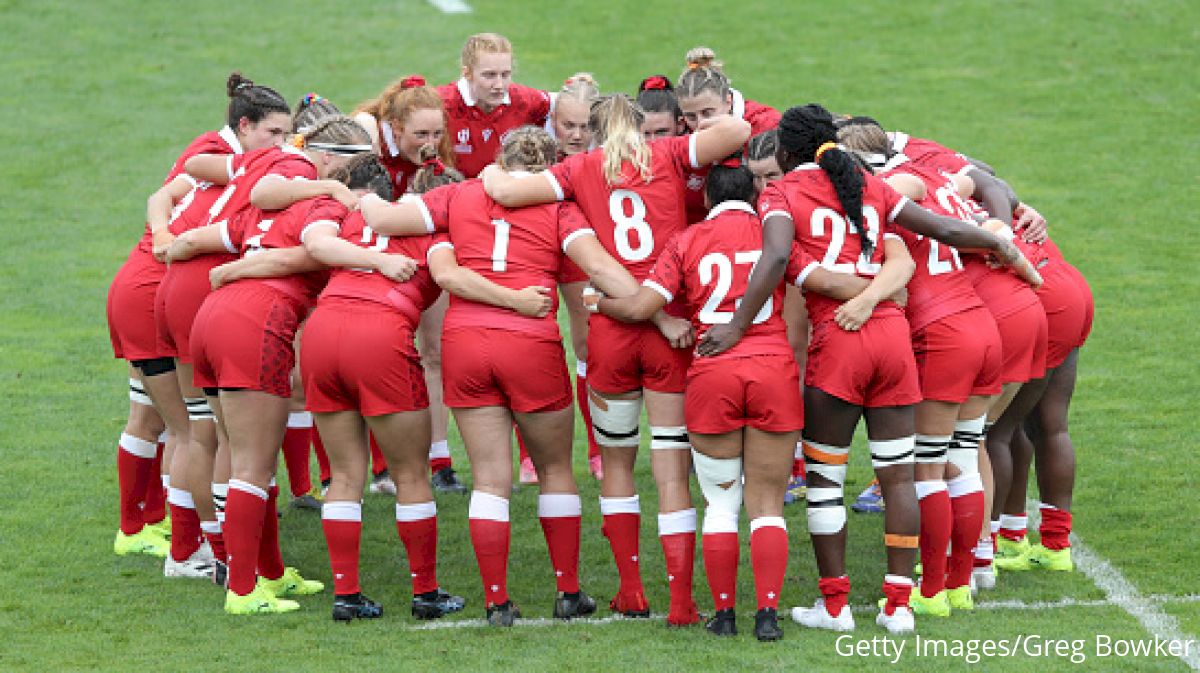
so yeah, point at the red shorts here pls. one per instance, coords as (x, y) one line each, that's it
(359, 356)
(130, 308)
(1067, 301)
(873, 367)
(179, 298)
(958, 356)
(624, 357)
(1023, 344)
(729, 393)
(243, 338)
(569, 272)
(486, 367)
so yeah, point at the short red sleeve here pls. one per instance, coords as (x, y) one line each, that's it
(571, 224)
(293, 167)
(563, 172)
(436, 207)
(681, 149)
(772, 201)
(666, 278)
(324, 211)
(799, 265)
(893, 201)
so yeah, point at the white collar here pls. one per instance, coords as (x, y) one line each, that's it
(385, 130)
(739, 104)
(898, 159)
(899, 141)
(809, 166)
(231, 138)
(464, 90)
(731, 205)
(288, 149)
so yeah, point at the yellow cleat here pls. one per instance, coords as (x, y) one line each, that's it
(291, 584)
(960, 598)
(145, 541)
(258, 602)
(935, 606)
(1052, 559)
(1006, 548)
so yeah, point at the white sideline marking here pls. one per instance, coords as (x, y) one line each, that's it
(451, 6)
(1122, 593)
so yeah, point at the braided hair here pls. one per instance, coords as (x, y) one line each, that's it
(528, 148)
(311, 109)
(363, 171)
(802, 131)
(250, 100)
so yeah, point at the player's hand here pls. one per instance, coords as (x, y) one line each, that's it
(853, 314)
(162, 242)
(397, 267)
(534, 301)
(344, 195)
(709, 121)
(677, 331)
(222, 275)
(1030, 223)
(719, 339)
(900, 297)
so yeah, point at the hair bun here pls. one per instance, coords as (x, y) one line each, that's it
(412, 82)
(702, 57)
(236, 83)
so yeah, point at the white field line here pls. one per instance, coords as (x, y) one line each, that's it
(451, 6)
(1122, 593)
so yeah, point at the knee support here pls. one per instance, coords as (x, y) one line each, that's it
(198, 409)
(889, 452)
(669, 437)
(826, 506)
(964, 445)
(616, 422)
(721, 482)
(137, 394)
(931, 449)
(155, 366)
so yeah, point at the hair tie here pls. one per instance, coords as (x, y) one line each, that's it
(734, 161)
(693, 65)
(311, 98)
(825, 147)
(436, 164)
(412, 81)
(298, 141)
(655, 83)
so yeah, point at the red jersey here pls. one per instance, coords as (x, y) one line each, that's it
(938, 287)
(285, 229)
(708, 266)
(245, 170)
(476, 136)
(196, 202)
(399, 169)
(634, 218)
(806, 196)
(515, 248)
(930, 155)
(409, 298)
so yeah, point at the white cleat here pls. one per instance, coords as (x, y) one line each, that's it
(197, 566)
(817, 617)
(898, 623)
(984, 578)
(382, 484)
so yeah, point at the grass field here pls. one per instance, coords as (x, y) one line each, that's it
(1089, 109)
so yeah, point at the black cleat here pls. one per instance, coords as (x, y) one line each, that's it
(355, 606)
(220, 574)
(724, 623)
(503, 614)
(436, 604)
(445, 481)
(766, 625)
(570, 606)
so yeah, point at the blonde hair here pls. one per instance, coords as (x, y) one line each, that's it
(337, 130)
(483, 43)
(528, 148)
(702, 73)
(397, 103)
(581, 86)
(862, 136)
(617, 123)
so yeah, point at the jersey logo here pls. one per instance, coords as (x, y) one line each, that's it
(487, 135)
(464, 135)
(695, 183)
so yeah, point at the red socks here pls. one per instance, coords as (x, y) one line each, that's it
(1013, 526)
(1055, 528)
(135, 467)
(836, 592)
(216, 539)
(154, 508)
(417, 525)
(561, 518)
(270, 556)
(966, 509)
(342, 522)
(378, 462)
(936, 525)
(439, 456)
(296, 440)
(585, 409)
(622, 521)
(721, 565)
(185, 524)
(768, 556)
(677, 533)
(490, 536)
(896, 590)
(244, 512)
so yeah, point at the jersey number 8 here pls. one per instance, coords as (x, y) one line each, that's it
(635, 221)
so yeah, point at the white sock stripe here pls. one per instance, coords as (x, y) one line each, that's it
(964, 485)
(181, 498)
(928, 488)
(246, 487)
(439, 449)
(558, 505)
(799, 454)
(163, 436)
(673, 523)
(272, 483)
(342, 510)
(994, 526)
(898, 579)
(220, 490)
(628, 505)
(300, 419)
(417, 512)
(487, 506)
(165, 479)
(221, 517)
(210, 527)
(1043, 506)
(1013, 521)
(137, 446)
(767, 522)
(718, 520)
(581, 368)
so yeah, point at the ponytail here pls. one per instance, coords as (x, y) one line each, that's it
(433, 172)
(617, 123)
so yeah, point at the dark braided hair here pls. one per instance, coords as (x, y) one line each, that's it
(730, 180)
(802, 130)
(250, 100)
(363, 171)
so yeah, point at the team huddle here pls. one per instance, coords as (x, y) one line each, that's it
(310, 278)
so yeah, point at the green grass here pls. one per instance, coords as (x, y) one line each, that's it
(1087, 108)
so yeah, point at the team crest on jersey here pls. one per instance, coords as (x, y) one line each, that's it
(695, 183)
(464, 135)
(487, 135)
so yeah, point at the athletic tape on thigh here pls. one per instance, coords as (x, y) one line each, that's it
(931, 449)
(826, 510)
(888, 452)
(721, 482)
(827, 461)
(669, 437)
(616, 422)
(137, 394)
(964, 445)
(198, 409)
